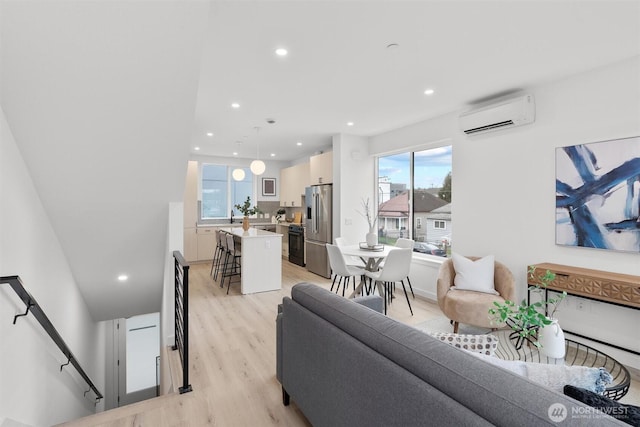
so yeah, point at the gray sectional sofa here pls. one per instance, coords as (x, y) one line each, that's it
(344, 364)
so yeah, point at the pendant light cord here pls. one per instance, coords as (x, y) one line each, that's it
(257, 143)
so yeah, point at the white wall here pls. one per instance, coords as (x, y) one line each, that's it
(353, 167)
(272, 171)
(33, 391)
(504, 186)
(175, 242)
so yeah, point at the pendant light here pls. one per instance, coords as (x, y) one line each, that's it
(257, 166)
(238, 174)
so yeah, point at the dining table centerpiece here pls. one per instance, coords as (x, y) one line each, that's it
(371, 236)
(247, 211)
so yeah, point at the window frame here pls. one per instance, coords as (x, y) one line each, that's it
(411, 150)
(229, 185)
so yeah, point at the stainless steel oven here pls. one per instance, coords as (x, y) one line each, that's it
(296, 245)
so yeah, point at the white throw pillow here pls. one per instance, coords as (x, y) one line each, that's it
(474, 275)
(555, 376)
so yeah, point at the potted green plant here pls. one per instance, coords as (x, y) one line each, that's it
(527, 320)
(247, 211)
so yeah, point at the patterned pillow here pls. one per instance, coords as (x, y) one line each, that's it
(483, 344)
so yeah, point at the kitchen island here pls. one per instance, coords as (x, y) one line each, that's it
(261, 261)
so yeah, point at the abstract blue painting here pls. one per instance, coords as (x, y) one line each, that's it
(598, 195)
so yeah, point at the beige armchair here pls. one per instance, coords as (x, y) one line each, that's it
(470, 307)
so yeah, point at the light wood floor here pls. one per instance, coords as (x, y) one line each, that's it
(233, 359)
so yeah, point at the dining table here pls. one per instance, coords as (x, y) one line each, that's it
(372, 257)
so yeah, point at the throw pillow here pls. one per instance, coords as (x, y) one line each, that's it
(484, 344)
(515, 366)
(474, 275)
(555, 376)
(626, 413)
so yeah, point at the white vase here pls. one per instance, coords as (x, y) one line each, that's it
(551, 339)
(372, 239)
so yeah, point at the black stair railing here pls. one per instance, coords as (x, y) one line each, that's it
(34, 308)
(181, 281)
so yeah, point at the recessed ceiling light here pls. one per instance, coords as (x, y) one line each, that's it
(429, 92)
(349, 123)
(123, 278)
(209, 133)
(273, 154)
(281, 51)
(235, 153)
(235, 105)
(196, 148)
(298, 143)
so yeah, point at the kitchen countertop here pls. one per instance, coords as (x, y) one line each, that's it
(252, 232)
(235, 224)
(252, 224)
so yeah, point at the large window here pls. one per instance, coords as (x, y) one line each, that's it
(414, 198)
(220, 192)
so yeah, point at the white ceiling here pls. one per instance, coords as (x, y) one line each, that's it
(100, 99)
(339, 68)
(107, 99)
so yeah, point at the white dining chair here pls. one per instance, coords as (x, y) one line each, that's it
(407, 243)
(396, 269)
(350, 260)
(341, 270)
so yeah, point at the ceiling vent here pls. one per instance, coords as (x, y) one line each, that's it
(499, 115)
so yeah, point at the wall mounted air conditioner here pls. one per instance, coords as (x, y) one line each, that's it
(499, 115)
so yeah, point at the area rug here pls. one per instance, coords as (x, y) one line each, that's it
(441, 324)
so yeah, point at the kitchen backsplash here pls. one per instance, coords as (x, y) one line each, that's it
(269, 210)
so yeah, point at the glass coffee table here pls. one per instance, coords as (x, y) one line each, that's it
(577, 354)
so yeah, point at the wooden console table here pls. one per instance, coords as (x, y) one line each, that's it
(603, 286)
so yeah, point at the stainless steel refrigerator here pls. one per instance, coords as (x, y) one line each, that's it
(319, 230)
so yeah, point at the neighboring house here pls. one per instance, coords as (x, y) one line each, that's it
(424, 203)
(433, 190)
(437, 224)
(394, 214)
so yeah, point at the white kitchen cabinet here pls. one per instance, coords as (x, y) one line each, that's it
(284, 230)
(293, 181)
(261, 265)
(286, 177)
(206, 241)
(321, 168)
